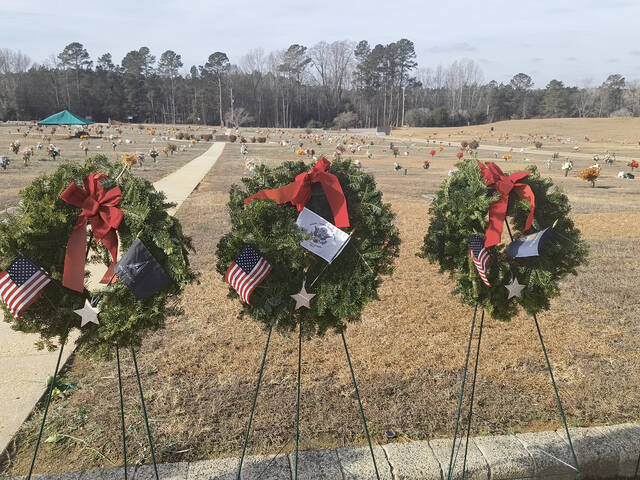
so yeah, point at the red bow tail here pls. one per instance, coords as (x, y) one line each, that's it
(496, 179)
(298, 192)
(98, 208)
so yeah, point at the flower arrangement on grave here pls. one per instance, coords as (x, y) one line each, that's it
(129, 159)
(590, 174)
(53, 151)
(26, 155)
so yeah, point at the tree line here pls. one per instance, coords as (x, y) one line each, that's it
(342, 83)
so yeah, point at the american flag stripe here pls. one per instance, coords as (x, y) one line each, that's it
(14, 294)
(265, 268)
(247, 271)
(247, 282)
(4, 284)
(31, 295)
(18, 298)
(244, 283)
(481, 264)
(480, 256)
(9, 290)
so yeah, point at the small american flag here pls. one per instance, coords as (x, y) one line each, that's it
(247, 271)
(22, 284)
(480, 256)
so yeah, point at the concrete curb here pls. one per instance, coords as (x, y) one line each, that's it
(603, 453)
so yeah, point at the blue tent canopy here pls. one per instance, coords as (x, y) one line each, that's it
(64, 117)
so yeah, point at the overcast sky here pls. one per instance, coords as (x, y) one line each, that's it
(577, 41)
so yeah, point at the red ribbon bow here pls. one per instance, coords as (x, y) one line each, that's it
(496, 179)
(98, 208)
(298, 192)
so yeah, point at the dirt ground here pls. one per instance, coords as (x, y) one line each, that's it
(408, 351)
(130, 139)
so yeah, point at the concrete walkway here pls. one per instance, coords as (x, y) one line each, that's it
(603, 453)
(178, 185)
(23, 369)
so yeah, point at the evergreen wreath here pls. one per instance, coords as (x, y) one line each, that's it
(40, 229)
(345, 286)
(460, 209)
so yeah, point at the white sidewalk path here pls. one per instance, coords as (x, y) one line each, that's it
(23, 369)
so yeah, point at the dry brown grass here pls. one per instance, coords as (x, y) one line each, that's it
(619, 135)
(408, 351)
(17, 175)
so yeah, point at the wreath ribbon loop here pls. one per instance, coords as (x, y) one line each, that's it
(503, 184)
(99, 209)
(298, 193)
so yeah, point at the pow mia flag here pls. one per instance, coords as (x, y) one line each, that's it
(327, 240)
(529, 245)
(142, 273)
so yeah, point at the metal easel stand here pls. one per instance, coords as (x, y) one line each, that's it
(124, 436)
(253, 406)
(364, 420)
(144, 414)
(124, 442)
(46, 408)
(298, 403)
(455, 450)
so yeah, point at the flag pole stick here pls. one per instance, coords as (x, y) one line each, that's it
(46, 408)
(253, 406)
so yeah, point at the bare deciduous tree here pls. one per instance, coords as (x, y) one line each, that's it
(238, 117)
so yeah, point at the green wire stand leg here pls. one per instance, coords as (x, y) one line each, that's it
(295, 477)
(473, 393)
(635, 476)
(555, 389)
(124, 437)
(144, 413)
(253, 406)
(46, 408)
(461, 396)
(364, 420)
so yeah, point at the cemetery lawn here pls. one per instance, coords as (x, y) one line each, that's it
(199, 373)
(17, 175)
